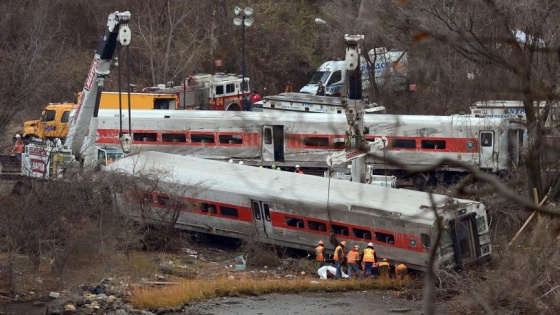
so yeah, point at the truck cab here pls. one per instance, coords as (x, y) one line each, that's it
(52, 124)
(331, 74)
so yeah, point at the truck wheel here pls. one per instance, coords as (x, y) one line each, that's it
(233, 107)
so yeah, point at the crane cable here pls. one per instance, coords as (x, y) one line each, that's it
(120, 93)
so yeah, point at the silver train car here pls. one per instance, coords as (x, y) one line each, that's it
(298, 210)
(286, 139)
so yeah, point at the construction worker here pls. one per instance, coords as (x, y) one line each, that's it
(368, 258)
(273, 166)
(384, 268)
(401, 271)
(298, 170)
(352, 260)
(319, 254)
(18, 147)
(338, 258)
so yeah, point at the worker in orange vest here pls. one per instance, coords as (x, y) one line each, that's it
(401, 271)
(338, 258)
(384, 268)
(368, 258)
(18, 147)
(320, 254)
(352, 260)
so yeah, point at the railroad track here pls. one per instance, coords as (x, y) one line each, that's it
(9, 166)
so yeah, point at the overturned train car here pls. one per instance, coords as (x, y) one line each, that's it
(297, 210)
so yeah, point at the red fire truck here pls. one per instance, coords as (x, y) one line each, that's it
(218, 91)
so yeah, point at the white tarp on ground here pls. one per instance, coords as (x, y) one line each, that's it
(322, 272)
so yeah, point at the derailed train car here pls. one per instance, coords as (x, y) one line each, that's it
(287, 139)
(296, 210)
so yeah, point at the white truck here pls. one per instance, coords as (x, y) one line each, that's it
(387, 64)
(48, 159)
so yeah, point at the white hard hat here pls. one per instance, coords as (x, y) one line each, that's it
(17, 135)
(297, 166)
(230, 161)
(370, 244)
(240, 162)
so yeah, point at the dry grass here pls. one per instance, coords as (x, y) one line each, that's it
(188, 291)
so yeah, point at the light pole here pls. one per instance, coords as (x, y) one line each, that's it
(243, 20)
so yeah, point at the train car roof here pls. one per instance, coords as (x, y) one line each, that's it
(283, 187)
(292, 116)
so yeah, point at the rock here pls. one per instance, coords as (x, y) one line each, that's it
(111, 299)
(69, 309)
(54, 295)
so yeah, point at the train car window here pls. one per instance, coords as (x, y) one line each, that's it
(230, 88)
(425, 240)
(404, 143)
(173, 137)
(229, 139)
(363, 234)
(316, 141)
(144, 136)
(433, 144)
(295, 222)
(228, 211)
(148, 198)
(162, 200)
(219, 89)
(338, 143)
(180, 204)
(486, 139)
(316, 226)
(267, 136)
(384, 238)
(340, 230)
(257, 210)
(266, 212)
(207, 208)
(202, 138)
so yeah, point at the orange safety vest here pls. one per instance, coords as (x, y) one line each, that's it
(18, 147)
(384, 264)
(336, 253)
(352, 257)
(400, 269)
(369, 255)
(319, 253)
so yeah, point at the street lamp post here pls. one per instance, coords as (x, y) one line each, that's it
(243, 20)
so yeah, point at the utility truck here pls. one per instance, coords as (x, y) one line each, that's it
(202, 91)
(51, 159)
(388, 66)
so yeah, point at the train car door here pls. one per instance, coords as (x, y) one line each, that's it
(465, 239)
(261, 217)
(515, 146)
(273, 143)
(486, 150)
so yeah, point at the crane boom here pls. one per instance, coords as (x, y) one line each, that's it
(85, 116)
